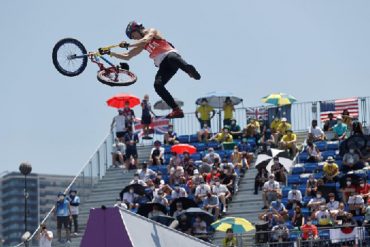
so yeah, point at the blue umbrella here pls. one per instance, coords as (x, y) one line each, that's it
(217, 99)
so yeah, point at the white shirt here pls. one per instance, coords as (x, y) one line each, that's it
(210, 157)
(296, 197)
(358, 200)
(145, 175)
(120, 123)
(44, 242)
(271, 185)
(316, 132)
(119, 147)
(333, 205)
(219, 190)
(141, 182)
(202, 190)
(161, 151)
(128, 197)
(181, 193)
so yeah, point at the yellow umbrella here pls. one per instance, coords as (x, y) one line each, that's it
(279, 99)
(239, 225)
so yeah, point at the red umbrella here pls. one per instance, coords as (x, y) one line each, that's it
(181, 148)
(119, 100)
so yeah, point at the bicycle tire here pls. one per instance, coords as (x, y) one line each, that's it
(132, 78)
(81, 51)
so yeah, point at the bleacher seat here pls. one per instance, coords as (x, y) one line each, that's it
(303, 157)
(214, 145)
(322, 146)
(167, 149)
(334, 145)
(310, 167)
(193, 138)
(196, 156)
(298, 169)
(328, 153)
(199, 146)
(183, 138)
(293, 179)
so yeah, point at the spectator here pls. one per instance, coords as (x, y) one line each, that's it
(120, 204)
(309, 231)
(270, 191)
(330, 123)
(311, 186)
(357, 129)
(236, 158)
(332, 205)
(271, 217)
(315, 203)
(228, 108)
(44, 236)
(137, 180)
(206, 113)
(314, 154)
(63, 213)
(252, 129)
(177, 175)
(280, 233)
(347, 119)
(157, 154)
(260, 179)
(244, 163)
(118, 153)
(184, 225)
(222, 192)
(340, 214)
(201, 191)
(356, 203)
(158, 180)
(146, 117)
(331, 170)
(223, 136)
(315, 133)
(274, 125)
(146, 173)
(74, 203)
(340, 129)
(178, 192)
(294, 198)
(179, 210)
(364, 190)
(282, 129)
(235, 129)
(160, 198)
(129, 115)
(278, 170)
(211, 204)
(289, 142)
(119, 122)
(211, 155)
(349, 221)
(323, 217)
(228, 178)
(175, 161)
(199, 226)
(367, 218)
(131, 139)
(155, 212)
(279, 207)
(230, 240)
(348, 189)
(298, 218)
(351, 160)
(267, 140)
(189, 168)
(170, 138)
(131, 199)
(204, 133)
(212, 176)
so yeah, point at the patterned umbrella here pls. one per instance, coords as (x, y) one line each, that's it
(239, 225)
(279, 99)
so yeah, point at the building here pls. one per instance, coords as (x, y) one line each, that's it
(42, 194)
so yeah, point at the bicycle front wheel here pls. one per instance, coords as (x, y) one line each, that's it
(116, 77)
(69, 57)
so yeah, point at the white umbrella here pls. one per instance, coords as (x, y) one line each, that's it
(287, 163)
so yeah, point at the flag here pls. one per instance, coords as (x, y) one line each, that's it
(259, 113)
(337, 106)
(347, 234)
(159, 125)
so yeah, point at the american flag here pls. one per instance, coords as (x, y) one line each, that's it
(159, 125)
(337, 106)
(257, 113)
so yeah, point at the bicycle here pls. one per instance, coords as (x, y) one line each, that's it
(70, 58)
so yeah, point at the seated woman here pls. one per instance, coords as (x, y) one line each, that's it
(279, 171)
(236, 158)
(298, 218)
(170, 138)
(311, 186)
(314, 154)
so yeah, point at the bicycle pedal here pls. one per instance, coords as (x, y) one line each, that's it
(124, 66)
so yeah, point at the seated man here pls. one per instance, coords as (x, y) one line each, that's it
(157, 153)
(274, 125)
(222, 192)
(146, 173)
(223, 136)
(282, 129)
(340, 129)
(118, 153)
(235, 129)
(314, 154)
(315, 203)
(131, 199)
(204, 133)
(309, 231)
(271, 189)
(332, 205)
(356, 204)
(137, 180)
(311, 186)
(211, 156)
(211, 204)
(348, 189)
(267, 140)
(294, 197)
(271, 216)
(201, 192)
(280, 232)
(170, 138)
(351, 160)
(323, 217)
(331, 170)
(160, 198)
(289, 142)
(178, 192)
(315, 133)
(177, 175)
(279, 207)
(330, 123)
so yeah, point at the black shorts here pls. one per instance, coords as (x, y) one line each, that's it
(130, 153)
(146, 120)
(120, 134)
(62, 221)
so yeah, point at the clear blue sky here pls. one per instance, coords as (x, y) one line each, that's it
(311, 49)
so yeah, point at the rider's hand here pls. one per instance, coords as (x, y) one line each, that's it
(104, 51)
(124, 44)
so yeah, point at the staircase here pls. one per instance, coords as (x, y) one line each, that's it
(245, 204)
(104, 193)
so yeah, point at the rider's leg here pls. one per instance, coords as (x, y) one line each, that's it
(176, 60)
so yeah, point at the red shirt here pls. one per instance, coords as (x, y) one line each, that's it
(363, 190)
(210, 177)
(308, 231)
(156, 47)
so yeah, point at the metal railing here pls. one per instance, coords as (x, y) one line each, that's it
(88, 176)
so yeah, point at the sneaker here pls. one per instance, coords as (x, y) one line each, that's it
(192, 72)
(224, 210)
(176, 113)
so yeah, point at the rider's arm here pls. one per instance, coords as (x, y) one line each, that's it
(128, 55)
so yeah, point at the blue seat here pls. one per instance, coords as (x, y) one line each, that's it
(196, 156)
(303, 157)
(359, 218)
(324, 234)
(293, 179)
(167, 149)
(305, 212)
(213, 144)
(310, 167)
(200, 146)
(328, 153)
(333, 146)
(303, 179)
(183, 139)
(285, 191)
(322, 146)
(193, 138)
(298, 170)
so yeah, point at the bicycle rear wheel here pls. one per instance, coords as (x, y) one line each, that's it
(116, 77)
(69, 57)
